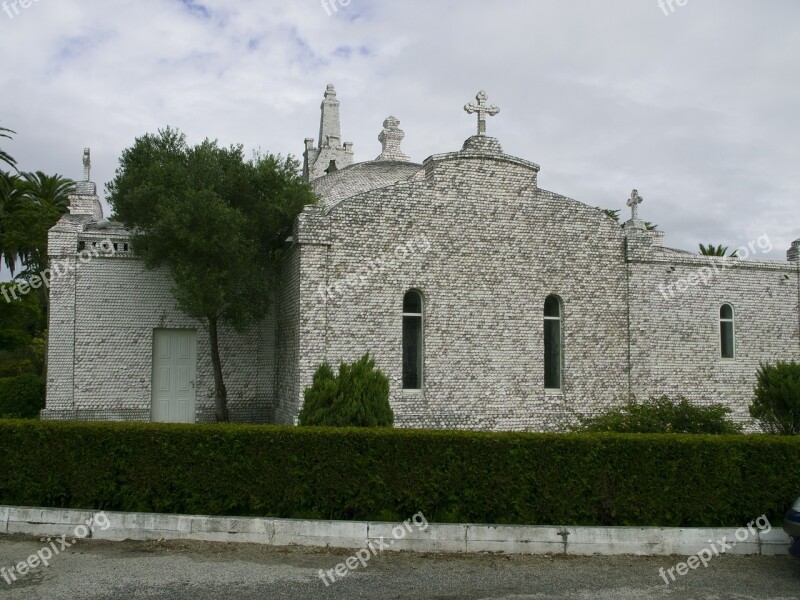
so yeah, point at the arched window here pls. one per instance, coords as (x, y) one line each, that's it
(552, 343)
(727, 334)
(412, 341)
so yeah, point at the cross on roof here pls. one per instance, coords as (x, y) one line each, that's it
(634, 203)
(483, 109)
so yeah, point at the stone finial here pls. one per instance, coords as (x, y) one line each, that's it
(86, 187)
(390, 139)
(87, 164)
(482, 108)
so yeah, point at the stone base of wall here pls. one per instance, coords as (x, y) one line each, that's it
(237, 415)
(96, 415)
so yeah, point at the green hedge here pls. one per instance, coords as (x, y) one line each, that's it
(21, 397)
(569, 479)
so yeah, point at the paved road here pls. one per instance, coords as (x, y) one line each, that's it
(95, 570)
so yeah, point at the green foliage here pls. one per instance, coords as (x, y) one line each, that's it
(613, 213)
(21, 397)
(712, 250)
(4, 156)
(217, 222)
(32, 204)
(662, 415)
(777, 398)
(22, 324)
(386, 473)
(357, 397)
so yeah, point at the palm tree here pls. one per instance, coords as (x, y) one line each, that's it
(11, 230)
(34, 204)
(712, 250)
(45, 200)
(4, 156)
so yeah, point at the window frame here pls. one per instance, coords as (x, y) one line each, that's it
(421, 360)
(723, 321)
(560, 320)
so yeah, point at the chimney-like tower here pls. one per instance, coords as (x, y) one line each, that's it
(331, 154)
(84, 200)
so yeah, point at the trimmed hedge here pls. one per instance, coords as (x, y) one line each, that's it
(380, 474)
(22, 397)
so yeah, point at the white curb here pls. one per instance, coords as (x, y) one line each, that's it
(456, 538)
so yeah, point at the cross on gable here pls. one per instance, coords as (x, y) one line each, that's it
(483, 109)
(634, 203)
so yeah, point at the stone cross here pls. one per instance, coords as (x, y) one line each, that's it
(634, 203)
(483, 109)
(87, 164)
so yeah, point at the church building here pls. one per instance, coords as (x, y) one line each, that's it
(490, 303)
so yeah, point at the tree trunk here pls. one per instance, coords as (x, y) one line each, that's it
(221, 394)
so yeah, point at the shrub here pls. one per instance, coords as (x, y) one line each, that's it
(662, 415)
(21, 397)
(389, 474)
(777, 398)
(357, 397)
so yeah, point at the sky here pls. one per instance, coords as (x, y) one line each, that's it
(696, 105)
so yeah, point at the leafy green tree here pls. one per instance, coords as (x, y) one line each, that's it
(216, 221)
(777, 398)
(662, 415)
(357, 397)
(712, 250)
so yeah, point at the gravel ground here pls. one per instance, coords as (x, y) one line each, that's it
(97, 570)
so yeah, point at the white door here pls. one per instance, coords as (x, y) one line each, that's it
(174, 370)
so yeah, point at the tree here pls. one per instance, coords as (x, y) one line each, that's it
(662, 415)
(357, 397)
(44, 199)
(217, 222)
(4, 156)
(777, 398)
(712, 250)
(6, 189)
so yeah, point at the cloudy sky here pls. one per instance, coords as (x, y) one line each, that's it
(698, 107)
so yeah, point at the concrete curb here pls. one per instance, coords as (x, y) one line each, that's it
(456, 538)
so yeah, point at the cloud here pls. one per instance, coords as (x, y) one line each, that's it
(696, 109)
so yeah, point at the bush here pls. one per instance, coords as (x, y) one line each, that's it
(357, 397)
(21, 397)
(662, 415)
(388, 474)
(777, 398)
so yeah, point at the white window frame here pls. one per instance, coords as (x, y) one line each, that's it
(421, 316)
(732, 321)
